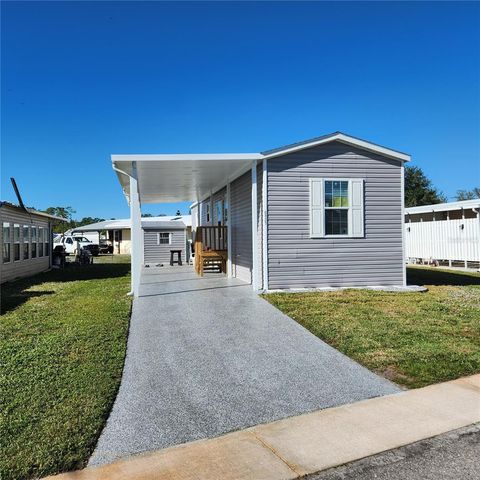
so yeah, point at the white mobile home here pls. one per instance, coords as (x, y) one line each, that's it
(444, 234)
(320, 213)
(26, 239)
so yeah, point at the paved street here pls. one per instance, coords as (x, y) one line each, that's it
(451, 456)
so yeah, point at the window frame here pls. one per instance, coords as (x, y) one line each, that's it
(9, 243)
(16, 226)
(169, 238)
(33, 241)
(26, 241)
(46, 241)
(348, 209)
(40, 243)
(324, 208)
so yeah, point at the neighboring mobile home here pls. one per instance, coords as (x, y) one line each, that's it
(327, 212)
(26, 241)
(161, 234)
(444, 234)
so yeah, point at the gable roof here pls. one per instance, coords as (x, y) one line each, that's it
(163, 178)
(337, 137)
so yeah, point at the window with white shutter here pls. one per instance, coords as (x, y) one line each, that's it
(336, 207)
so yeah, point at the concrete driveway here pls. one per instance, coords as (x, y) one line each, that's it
(207, 356)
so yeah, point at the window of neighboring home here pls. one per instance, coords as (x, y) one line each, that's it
(207, 211)
(33, 244)
(16, 242)
(6, 243)
(26, 242)
(46, 240)
(336, 208)
(163, 238)
(40, 241)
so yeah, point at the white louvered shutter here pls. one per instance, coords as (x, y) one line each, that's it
(357, 210)
(316, 207)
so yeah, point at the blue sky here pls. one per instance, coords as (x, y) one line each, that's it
(83, 80)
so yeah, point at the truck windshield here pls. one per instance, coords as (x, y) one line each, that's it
(81, 239)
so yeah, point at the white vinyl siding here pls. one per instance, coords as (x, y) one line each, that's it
(336, 207)
(18, 241)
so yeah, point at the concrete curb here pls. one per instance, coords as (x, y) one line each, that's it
(308, 443)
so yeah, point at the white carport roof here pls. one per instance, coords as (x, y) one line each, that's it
(177, 178)
(172, 178)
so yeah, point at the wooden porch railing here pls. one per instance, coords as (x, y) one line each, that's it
(211, 248)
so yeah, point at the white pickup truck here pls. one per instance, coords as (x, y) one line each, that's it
(72, 242)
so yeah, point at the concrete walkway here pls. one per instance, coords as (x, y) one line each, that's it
(309, 443)
(207, 356)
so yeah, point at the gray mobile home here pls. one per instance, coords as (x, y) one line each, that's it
(26, 239)
(327, 212)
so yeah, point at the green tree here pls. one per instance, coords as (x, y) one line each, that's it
(63, 212)
(87, 221)
(147, 215)
(419, 189)
(468, 194)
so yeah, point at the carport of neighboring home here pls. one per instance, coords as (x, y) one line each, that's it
(320, 213)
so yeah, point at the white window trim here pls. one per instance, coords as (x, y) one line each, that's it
(9, 226)
(17, 242)
(349, 208)
(26, 241)
(169, 238)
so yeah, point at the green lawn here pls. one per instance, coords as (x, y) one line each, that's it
(62, 341)
(414, 339)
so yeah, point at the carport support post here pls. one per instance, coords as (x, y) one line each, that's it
(229, 233)
(254, 228)
(136, 229)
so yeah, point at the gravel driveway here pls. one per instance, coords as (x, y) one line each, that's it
(207, 356)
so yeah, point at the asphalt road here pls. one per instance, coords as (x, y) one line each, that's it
(451, 456)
